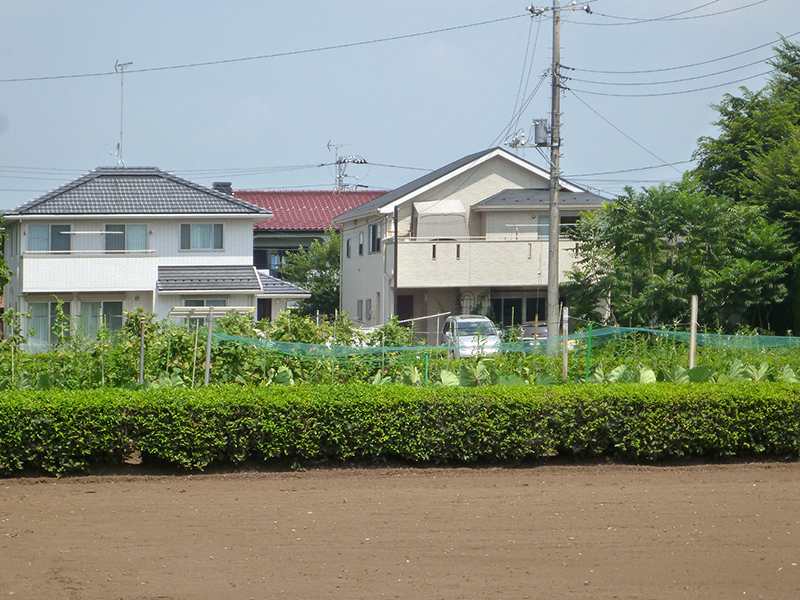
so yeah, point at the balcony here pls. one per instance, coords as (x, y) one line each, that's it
(88, 271)
(476, 262)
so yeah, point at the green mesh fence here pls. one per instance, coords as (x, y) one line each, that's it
(714, 340)
(595, 337)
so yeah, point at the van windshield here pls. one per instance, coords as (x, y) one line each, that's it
(475, 328)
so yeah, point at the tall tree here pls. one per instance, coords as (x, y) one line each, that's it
(751, 125)
(643, 255)
(317, 270)
(754, 160)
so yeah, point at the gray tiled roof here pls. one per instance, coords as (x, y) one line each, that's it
(381, 201)
(138, 190)
(273, 286)
(210, 279)
(537, 198)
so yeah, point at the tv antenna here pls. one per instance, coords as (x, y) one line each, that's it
(341, 165)
(120, 68)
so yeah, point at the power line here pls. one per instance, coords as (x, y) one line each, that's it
(624, 83)
(683, 162)
(622, 132)
(710, 87)
(672, 17)
(266, 56)
(697, 64)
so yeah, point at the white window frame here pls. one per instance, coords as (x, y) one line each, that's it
(190, 237)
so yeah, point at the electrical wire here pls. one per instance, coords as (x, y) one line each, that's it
(266, 56)
(522, 92)
(508, 127)
(709, 87)
(697, 64)
(654, 155)
(755, 147)
(626, 83)
(673, 17)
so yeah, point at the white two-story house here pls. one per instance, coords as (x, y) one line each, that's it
(469, 237)
(118, 239)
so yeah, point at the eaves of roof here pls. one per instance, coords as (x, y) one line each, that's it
(517, 198)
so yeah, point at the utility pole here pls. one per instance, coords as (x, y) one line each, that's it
(553, 270)
(341, 165)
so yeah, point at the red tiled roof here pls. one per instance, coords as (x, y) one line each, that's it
(313, 209)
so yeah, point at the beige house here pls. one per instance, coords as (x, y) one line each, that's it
(470, 237)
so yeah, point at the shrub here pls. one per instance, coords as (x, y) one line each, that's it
(61, 431)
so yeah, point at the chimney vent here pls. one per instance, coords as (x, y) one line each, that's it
(223, 186)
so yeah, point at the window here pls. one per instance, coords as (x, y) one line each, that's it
(369, 309)
(568, 224)
(93, 314)
(203, 302)
(375, 237)
(201, 237)
(43, 323)
(347, 248)
(361, 243)
(543, 229)
(120, 238)
(49, 238)
(360, 310)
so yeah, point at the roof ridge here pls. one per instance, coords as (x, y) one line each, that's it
(141, 172)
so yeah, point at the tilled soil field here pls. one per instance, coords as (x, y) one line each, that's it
(549, 532)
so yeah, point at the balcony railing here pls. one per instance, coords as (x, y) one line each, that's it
(88, 271)
(476, 261)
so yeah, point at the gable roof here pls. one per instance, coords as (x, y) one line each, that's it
(304, 210)
(385, 203)
(538, 198)
(138, 190)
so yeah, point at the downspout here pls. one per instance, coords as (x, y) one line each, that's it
(394, 298)
(342, 246)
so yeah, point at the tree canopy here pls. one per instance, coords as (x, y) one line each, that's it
(755, 160)
(317, 270)
(642, 256)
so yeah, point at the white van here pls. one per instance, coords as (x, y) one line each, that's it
(470, 335)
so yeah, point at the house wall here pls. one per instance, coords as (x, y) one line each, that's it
(518, 224)
(372, 276)
(363, 276)
(88, 273)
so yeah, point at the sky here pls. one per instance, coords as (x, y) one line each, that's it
(264, 94)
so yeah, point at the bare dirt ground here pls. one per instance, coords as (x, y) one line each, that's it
(549, 532)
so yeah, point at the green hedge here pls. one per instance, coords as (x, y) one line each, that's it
(62, 431)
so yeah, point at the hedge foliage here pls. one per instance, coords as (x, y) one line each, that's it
(83, 431)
